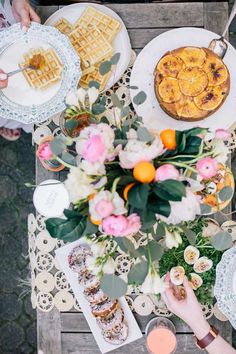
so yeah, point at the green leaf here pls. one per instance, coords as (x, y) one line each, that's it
(133, 87)
(144, 135)
(90, 229)
(140, 98)
(138, 273)
(71, 124)
(104, 120)
(155, 250)
(182, 145)
(192, 145)
(113, 286)
(94, 83)
(170, 190)
(69, 214)
(98, 108)
(57, 146)
(191, 235)
(115, 58)
(195, 131)
(127, 246)
(115, 100)
(105, 67)
(67, 230)
(160, 207)
(68, 158)
(205, 209)
(226, 193)
(160, 230)
(148, 219)
(222, 241)
(138, 196)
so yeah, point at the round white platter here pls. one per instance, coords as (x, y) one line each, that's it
(225, 286)
(21, 102)
(142, 76)
(121, 43)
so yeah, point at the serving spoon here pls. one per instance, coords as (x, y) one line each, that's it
(35, 63)
(219, 46)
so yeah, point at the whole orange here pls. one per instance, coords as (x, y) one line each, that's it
(95, 222)
(126, 190)
(91, 196)
(144, 172)
(168, 138)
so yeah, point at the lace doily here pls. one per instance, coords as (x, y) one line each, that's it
(49, 285)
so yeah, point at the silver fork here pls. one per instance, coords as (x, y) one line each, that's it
(20, 70)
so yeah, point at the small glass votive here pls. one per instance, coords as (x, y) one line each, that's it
(161, 336)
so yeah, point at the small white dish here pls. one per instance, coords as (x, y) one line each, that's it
(121, 43)
(51, 198)
(142, 76)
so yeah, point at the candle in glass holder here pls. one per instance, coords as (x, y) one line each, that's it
(161, 337)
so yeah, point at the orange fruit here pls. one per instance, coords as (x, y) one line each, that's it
(91, 196)
(126, 190)
(211, 200)
(228, 180)
(168, 138)
(144, 172)
(220, 186)
(95, 222)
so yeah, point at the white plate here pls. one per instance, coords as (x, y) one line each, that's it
(21, 102)
(142, 76)
(121, 43)
(225, 287)
(134, 330)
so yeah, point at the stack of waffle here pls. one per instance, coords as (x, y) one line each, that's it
(91, 36)
(50, 73)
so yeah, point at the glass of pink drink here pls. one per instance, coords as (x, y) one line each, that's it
(160, 336)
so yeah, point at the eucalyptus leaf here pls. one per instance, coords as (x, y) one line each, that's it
(98, 108)
(115, 100)
(115, 58)
(191, 235)
(222, 241)
(138, 273)
(124, 111)
(127, 246)
(160, 231)
(113, 286)
(205, 209)
(155, 250)
(68, 158)
(140, 98)
(225, 193)
(94, 83)
(144, 135)
(105, 67)
(133, 87)
(57, 146)
(71, 124)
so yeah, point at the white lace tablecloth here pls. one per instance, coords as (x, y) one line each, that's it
(49, 285)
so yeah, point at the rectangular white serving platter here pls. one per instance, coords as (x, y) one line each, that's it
(134, 330)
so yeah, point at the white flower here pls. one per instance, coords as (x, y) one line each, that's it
(172, 239)
(81, 95)
(104, 204)
(92, 168)
(220, 150)
(132, 134)
(71, 99)
(91, 263)
(78, 184)
(136, 151)
(153, 284)
(92, 95)
(195, 185)
(186, 210)
(98, 249)
(109, 267)
(100, 183)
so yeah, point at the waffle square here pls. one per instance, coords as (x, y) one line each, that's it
(63, 26)
(106, 24)
(91, 45)
(51, 73)
(94, 75)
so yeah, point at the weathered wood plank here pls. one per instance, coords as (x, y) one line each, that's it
(45, 11)
(215, 16)
(140, 37)
(49, 332)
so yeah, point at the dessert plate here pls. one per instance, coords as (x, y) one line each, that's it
(225, 287)
(21, 102)
(142, 76)
(121, 43)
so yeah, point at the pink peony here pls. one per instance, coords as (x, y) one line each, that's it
(44, 151)
(119, 225)
(94, 149)
(222, 134)
(166, 172)
(104, 208)
(207, 167)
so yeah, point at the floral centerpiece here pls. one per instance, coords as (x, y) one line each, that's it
(126, 181)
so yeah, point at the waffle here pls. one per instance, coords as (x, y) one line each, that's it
(64, 26)
(93, 74)
(106, 24)
(91, 45)
(51, 73)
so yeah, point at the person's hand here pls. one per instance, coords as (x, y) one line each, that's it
(24, 13)
(3, 79)
(187, 308)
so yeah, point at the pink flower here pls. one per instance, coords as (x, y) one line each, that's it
(119, 225)
(166, 172)
(94, 149)
(222, 134)
(44, 151)
(104, 208)
(207, 167)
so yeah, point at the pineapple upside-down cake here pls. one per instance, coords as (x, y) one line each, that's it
(191, 83)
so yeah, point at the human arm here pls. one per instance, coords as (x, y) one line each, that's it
(190, 311)
(24, 13)
(3, 79)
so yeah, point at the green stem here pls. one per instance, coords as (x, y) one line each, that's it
(180, 164)
(196, 158)
(114, 185)
(64, 163)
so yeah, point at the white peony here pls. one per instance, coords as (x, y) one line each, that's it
(92, 265)
(81, 95)
(220, 151)
(186, 210)
(172, 239)
(109, 267)
(71, 99)
(78, 184)
(136, 151)
(132, 134)
(92, 169)
(98, 249)
(153, 284)
(92, 95)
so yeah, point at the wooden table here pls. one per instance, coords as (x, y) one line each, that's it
(68, 333)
